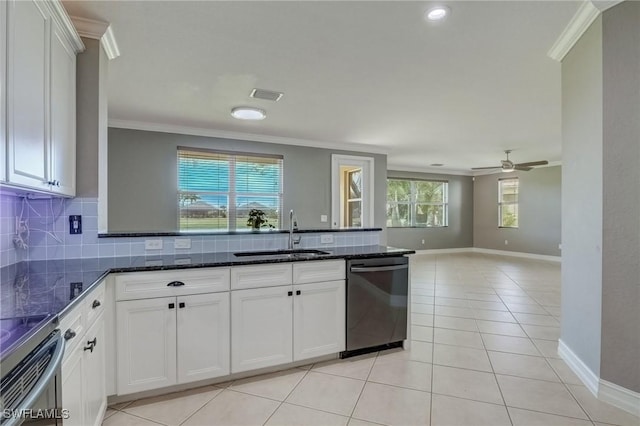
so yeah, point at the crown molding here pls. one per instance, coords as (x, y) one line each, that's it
(255, 137)
(579, 23)
(98, 30)
(431, 170)
(603, 5)
(60, 15)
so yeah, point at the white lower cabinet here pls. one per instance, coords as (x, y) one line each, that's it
(95, 374)
(170, 340)
(83, 379)
(83, 367)
(261, 333)
(203, 336)
(318, 319)
(73, 388)
(277, 325)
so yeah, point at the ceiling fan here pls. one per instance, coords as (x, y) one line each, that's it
(509, 166)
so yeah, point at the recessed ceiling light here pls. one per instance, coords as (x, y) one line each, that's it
(248, 113)
(437, 13)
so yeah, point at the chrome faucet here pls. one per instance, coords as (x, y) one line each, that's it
(293, 226)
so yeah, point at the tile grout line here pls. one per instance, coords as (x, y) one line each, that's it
(306, 372)
(366, 380)
(495, 378)
(204, 405)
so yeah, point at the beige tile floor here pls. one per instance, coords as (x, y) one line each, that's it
(484, 352)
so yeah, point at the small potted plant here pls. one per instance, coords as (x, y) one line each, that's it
(258, 219)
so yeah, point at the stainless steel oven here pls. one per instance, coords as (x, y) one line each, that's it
(377, 290)
(30, 388)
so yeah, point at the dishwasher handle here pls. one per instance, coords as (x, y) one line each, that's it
(43, 382)
(377, 268)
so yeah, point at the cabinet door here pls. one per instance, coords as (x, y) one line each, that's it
(63, 114)
(203, 336)
(3, 92)
(73, 388)
(94, 373)
(27, 97)
(146, 342)
(261, 333)
(319, 319)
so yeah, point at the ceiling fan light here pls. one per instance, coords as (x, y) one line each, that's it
(248, 113)
(507, 169)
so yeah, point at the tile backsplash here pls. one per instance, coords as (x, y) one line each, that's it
(49, 238)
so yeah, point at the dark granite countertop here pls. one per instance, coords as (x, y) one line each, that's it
(49, 289)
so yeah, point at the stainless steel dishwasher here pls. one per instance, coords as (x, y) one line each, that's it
(377, 290)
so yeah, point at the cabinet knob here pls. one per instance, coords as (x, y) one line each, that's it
(172, 305)
(290, 293)
(95, 304)
(181, 305)
(298, 292)
(69, 334)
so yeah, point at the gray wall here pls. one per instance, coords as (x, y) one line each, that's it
(621, 219)
(87, 113)
(538, 208)
(143, 179)
(459, 233)
(582, 197)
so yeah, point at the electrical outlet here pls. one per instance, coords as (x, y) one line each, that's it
(560, 246)
(422, 242)
(323, 218)
(326, 239)
(75, 224)
(153, 244)
(506, 242)
(182, 243)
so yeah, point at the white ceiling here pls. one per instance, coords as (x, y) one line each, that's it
(353, 72)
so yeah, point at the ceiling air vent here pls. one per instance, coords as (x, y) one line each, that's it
(267, 95)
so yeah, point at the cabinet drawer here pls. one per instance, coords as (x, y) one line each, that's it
(72, 327)
(94, 304)
(318, 271)
(145, 285)
(255, 276)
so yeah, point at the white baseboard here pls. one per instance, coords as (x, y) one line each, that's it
(584, 373)
(443, 251)
(517, 254)
(608, 392)
(620, 397)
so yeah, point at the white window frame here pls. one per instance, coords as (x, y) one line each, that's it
(367, 164)
(413, 204)
(508, 203)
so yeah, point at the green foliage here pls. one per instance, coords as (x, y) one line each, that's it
(258, 219)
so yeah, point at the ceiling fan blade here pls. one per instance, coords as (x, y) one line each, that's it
(533, 163)
(523, 168)
(486, 168)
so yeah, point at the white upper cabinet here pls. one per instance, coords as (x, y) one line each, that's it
(3, 93)
(40, 96)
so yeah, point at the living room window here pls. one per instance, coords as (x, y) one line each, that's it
(508, 191)
(417, 203)
(217, 189)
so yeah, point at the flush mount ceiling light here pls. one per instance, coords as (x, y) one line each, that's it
(248, 113)
(437, 13)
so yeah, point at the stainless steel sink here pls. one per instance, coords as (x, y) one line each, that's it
(283, 253)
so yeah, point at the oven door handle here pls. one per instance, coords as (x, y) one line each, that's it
(377, 268)
(43, 381)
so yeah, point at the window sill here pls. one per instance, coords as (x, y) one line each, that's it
(417, 227)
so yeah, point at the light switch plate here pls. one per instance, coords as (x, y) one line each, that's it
(182, 243)
(153, 244)
(323, 218)
(326, 239)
